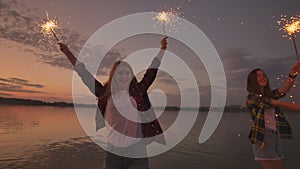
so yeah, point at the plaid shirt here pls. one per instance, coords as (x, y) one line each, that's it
(256, 105)
(138, 92)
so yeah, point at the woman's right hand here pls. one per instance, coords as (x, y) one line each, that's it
(63, 47)
(295, 69)
(164, 43)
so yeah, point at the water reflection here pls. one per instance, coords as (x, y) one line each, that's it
(10, 123)
(51, 137)
(31, 123)
(25, 130)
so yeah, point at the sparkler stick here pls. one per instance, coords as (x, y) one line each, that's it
(295, 46)
(51, 29)
(164, 29)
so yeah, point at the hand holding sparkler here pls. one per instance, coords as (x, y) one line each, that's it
(295, 70)
(64, 48)
(163, 48)
(164, 43)
(290, 81)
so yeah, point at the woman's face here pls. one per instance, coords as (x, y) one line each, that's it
(261, 78)
(123, 77)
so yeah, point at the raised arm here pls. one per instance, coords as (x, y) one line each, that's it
(88, 79)
(151, 72)
(64, 48)
(290, 79)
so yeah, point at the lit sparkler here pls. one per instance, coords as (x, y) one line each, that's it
(49, 26)
(163, 17)
(167, 18)
(290, 26)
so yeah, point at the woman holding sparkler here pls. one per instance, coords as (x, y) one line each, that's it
(121, 101)
(269, 123)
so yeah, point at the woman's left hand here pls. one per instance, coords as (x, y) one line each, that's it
(295, 69)
(164, 43)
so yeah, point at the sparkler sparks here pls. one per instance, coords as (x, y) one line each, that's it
(163, 18)
(290, 26)
(167, 18)
(49, 26)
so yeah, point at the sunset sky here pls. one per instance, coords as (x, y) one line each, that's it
(244, 33)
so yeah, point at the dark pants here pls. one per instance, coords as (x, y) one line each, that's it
(130, 157)
(113, 161)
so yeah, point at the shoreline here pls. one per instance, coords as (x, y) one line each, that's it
(29, 102)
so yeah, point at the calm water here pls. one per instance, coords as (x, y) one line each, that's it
(51, 137)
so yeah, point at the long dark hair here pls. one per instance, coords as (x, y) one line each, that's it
(253, 87)
(111, 86)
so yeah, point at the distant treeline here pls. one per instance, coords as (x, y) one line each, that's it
(17, 101)
(230, 108)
